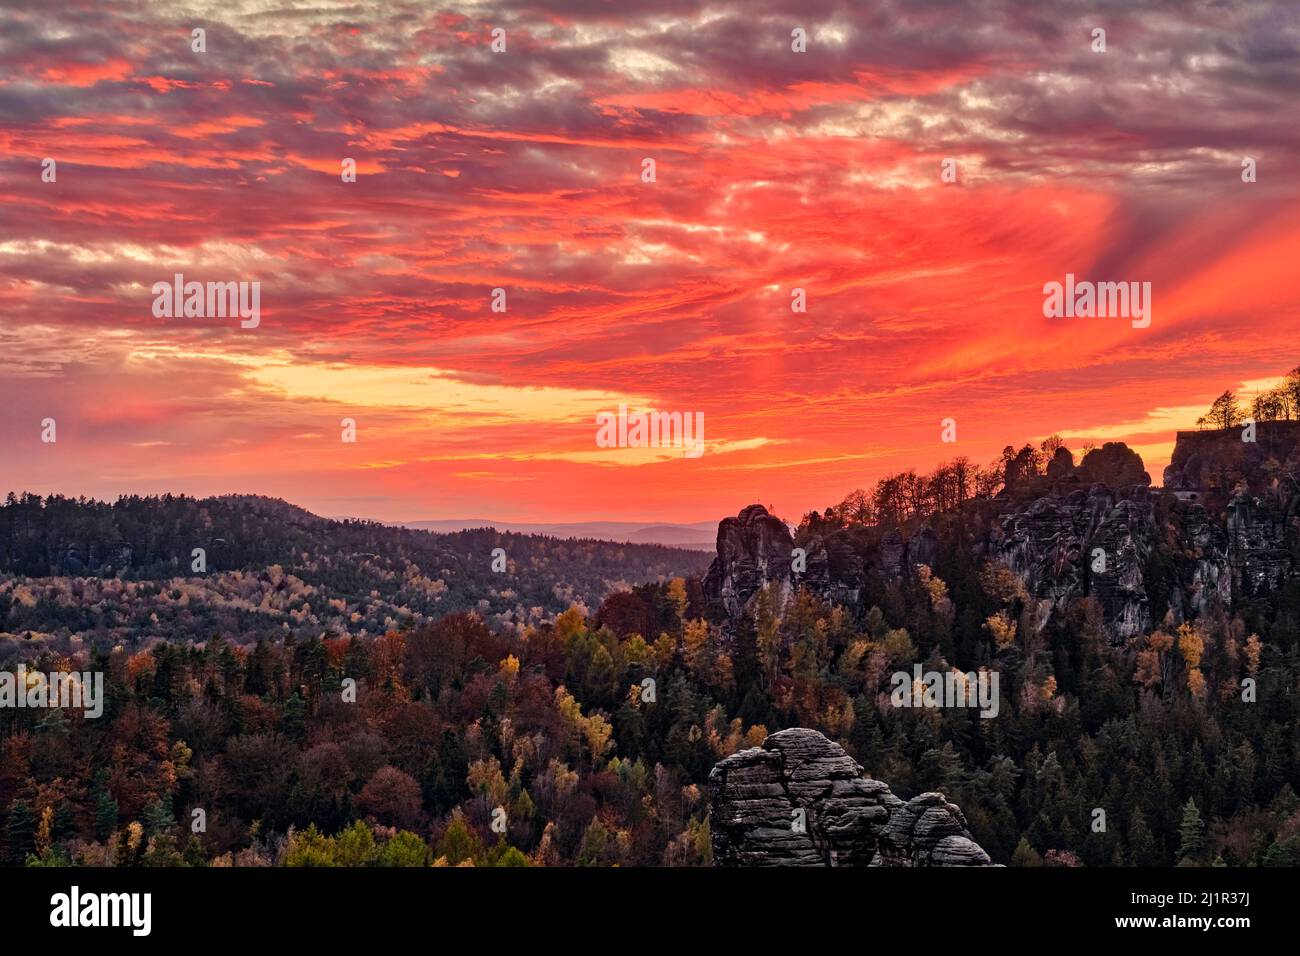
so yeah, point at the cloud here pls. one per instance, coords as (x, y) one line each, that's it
(522, 171)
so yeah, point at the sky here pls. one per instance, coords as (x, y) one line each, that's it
(523, 170)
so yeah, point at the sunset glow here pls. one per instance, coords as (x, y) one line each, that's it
(523, 171)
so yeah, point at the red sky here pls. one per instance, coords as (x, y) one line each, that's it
(522, 170)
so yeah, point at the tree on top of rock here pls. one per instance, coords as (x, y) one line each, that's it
(1021, 466)
(1224, 413)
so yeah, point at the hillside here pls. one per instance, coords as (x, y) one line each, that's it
(697, 537)
(125, 571)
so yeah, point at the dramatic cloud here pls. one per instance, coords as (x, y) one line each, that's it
(522, 170)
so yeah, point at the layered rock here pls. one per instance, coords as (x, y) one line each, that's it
(1257, 545)
(1087, 543)
(800, 800)
(834, 568)
(756, 549)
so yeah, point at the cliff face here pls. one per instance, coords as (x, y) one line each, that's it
(753, 549)
(756, 549)
(1137, 551)
(1088, 543)
(800, 800)
(1217, 460)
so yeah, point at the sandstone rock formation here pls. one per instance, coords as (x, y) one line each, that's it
(1218, 461)
(756, 549)
(753, 549)
(1086, 543)
(847, 819)
(1139, 552)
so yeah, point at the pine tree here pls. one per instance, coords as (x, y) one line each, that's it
(65, 822)
(105, 811)
(1142, 845)
(158, 818)
(1192, 833)
(20, 833)
(194, 855)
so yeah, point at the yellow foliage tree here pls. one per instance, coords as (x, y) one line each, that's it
(569, 623)
(1191, 645)
(677, 597)
(1001, 628)
(1253, 649)
(509, 668)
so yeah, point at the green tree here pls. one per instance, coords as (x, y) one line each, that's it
(1191, 833)
(1025, 855)
(1142, 845)
(310, 847)
(404, 849)
(105, 813)
(194, 855)
(503, 854)
(355, 846)
(459, 843)
(20, 833)
(157, 818)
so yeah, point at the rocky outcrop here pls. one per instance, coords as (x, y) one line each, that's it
(834, 569)
(1218, 461)
(1140, 553)
(1257, 544)
(1092, 544)
(1086, 543)
(756, 549)
(800, 800)
(753, 549)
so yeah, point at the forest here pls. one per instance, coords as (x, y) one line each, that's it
(77, 572)
(463, 746)
(265, 735)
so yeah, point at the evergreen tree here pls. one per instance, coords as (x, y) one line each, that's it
(1191, 833)
(157, 818)
(65, 822)
(1142, 846)
(105, 809)
(20, 833)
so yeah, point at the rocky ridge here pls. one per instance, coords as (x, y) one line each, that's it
(1139, 552)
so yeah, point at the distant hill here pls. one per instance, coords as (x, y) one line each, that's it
(700, 536)
(125, 571)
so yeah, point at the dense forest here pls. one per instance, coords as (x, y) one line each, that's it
(75, 572)
(557, 738)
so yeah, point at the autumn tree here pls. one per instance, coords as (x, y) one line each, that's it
(1225, 412)
(392, 797)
